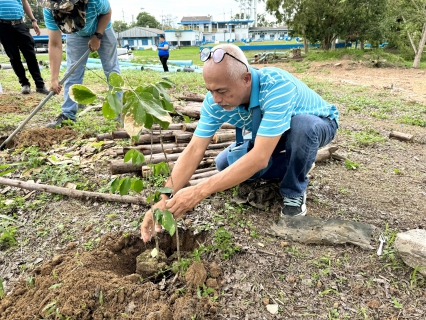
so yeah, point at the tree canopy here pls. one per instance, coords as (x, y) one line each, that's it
(144, 19)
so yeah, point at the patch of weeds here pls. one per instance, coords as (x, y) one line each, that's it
(417, 279)
(204, 291)
(294, 251)
(181, 266)
(90, 245)
(350, 165)
(368, 137)
(414, 120)
(223, 241)
(7, 231)
(58, 175)
(396, 304)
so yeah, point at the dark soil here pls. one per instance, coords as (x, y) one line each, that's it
(62, 280)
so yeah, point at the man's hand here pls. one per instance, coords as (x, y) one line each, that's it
(36, 28)
(183, 201)
(55, 86)
(94, 44)
(147, 227)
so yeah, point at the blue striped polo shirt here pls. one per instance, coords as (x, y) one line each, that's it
(280, 96)
(11, 9)
(95, 8)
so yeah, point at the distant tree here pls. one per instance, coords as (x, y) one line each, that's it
(38, 14)
(144, 19)
(262, 22)
(119, 26)
(407, 26)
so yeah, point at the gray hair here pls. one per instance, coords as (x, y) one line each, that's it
(234, 68)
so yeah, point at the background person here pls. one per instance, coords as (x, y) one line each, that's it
(87, 24)
(163, 52)
(295, 120)
(15, 37)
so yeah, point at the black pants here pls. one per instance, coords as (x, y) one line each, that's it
(163, 60)
(15, 38)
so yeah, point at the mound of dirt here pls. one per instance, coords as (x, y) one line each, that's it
(103, 284)
(42, 137)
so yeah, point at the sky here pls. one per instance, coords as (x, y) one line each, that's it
(174, 10)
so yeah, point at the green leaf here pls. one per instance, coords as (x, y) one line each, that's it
(167, 84)
(149, 121)
(107, 111)
(81, 94)
(154, 253)
(168, 222)
(163, 124)
(115, 80)
(162, 91)
(129, 155)
(151, 105)
(138, 157)
(137, 185)
(115, 184)
(167, 105)
(165, 190)
(114, 102)
(7, 172)
(161, 168)
(125, 186)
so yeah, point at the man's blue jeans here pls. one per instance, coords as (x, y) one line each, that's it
(76, 47)
(301, 142)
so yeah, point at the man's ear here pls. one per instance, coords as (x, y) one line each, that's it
(247, 78)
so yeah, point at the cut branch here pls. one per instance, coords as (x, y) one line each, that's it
(71, 192)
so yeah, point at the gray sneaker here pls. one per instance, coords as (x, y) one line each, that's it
(58, 121)
(25, 89)
(294, 206)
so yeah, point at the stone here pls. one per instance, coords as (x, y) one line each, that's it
(411, 247)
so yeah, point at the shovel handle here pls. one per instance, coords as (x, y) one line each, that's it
(51, 93)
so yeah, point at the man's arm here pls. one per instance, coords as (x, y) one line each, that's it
(255, 160)
(55, 58)
(103, 21)
(30, 15)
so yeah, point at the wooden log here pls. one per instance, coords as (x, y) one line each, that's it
(325, 153)
(104, 136)
(120, 167)
(183, 137)
(190, 111)
(206, 162)
(401, 136)
(146, 138)
(203, 175)
(190, 127)
(223, 137)
(156, 148)
(71, 192)
(198, 98)
(196, 181)
(121, 134)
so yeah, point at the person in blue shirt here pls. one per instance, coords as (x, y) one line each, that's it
(163, 52)
(87, 24)
(295, 123)
(16, 38)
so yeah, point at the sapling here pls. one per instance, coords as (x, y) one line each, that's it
(142, 107)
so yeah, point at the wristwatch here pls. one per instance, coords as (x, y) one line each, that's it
(169, 195)
(99, 35)
(33, 20)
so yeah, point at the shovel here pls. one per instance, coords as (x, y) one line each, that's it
(51, 93)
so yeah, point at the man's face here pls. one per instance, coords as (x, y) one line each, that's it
(227, 93)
